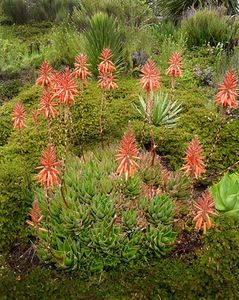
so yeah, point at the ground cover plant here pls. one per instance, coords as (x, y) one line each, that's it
(119, 156)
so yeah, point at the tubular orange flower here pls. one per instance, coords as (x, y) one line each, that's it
(150, 77)
(194, 165)
(106, 65)
(48, 105)
(107, 81)
(45, 77)
(175, 65)
(205, 207)
(19, 116)
(81, 67)
(49, 175)
(36, 216)
(128, 155)
(227, 94)
(65, 87)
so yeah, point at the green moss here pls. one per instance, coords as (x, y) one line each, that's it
(211, 274)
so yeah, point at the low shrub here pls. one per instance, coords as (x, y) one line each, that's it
(208, 27)
(23, 12)
(201, 122)
(15, 198)
(9, 89)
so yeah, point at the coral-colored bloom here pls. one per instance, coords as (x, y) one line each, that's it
(175, 65)
(194, 165)
(81, 67)
(45, 77)
(227, 94)
(65, 87)
(19, 116)
(205, 207)
(106, 65)
(48, 105)
(35, 115)
(49, 175)
(107, 81)
(36, 216)
(128, 155)
(150, 77)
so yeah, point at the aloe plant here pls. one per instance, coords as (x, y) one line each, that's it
(226, 195)
(99, 228)
(164, 111)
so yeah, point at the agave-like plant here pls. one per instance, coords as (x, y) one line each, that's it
(103, 32)
(164, 112)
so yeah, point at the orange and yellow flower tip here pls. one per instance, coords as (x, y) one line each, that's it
(19, 116)
(45, 78)
(128, 155)
(106, 65)
(227, 92)
(205, 208)
(48, 105)
(150, 77)
(35, 214)
(194, 162)
(175, 65)
(49, 174)
(65, 87)
(81, 67)
(107, 81)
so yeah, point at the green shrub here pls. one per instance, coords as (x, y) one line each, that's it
(25, 11)
(103, 32)
(201, 122)
(130, 13)
(175, 10)
(207, 27)
(9, 89)
(15, 199)
(65, 44)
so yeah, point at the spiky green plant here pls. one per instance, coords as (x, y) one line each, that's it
(102, 32)
(226, 195)
(161, 210)
(164, 111)
(176, 185)
(99, 228)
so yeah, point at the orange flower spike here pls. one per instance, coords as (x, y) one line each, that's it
(194, 165)
(175, 65)
(205, 208)
(107, 81)
(227, 92)
(19, 116)
(48, 105)
(106, 65)
(65, 87)
(46, 74)
(81, 67)
(49, 174)
(128, 155)
(150, 77)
